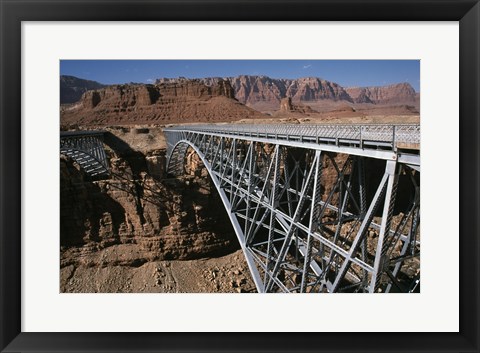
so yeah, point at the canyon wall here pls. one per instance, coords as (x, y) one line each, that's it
(188, 101)
(160, 218)
(264, 93)
(391, 94)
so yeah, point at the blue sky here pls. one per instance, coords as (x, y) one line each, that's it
(344, 72)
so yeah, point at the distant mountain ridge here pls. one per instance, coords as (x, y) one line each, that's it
(72, 88)
(265, 93)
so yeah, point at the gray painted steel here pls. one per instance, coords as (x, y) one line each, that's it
(86, 148)
(307, 219)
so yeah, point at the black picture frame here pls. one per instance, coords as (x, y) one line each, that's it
(13, 12)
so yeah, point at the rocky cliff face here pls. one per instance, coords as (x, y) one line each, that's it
(183, 101)
(215, 99)
(287, 106)
(264, 93)
(313, 89)
(174, 219)
(140, 232)
(255, 90)
(393, 94)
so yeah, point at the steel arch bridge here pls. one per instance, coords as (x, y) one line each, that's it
(86, 148)
(308, 210)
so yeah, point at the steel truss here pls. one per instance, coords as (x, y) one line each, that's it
(310, 219)
(86, 148)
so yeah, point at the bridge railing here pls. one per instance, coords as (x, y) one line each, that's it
(380, 134)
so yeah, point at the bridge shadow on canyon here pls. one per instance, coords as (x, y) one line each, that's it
(85, 200)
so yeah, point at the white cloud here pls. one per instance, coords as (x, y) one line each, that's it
(150, 80)
(307, 66)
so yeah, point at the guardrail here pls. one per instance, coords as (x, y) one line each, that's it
(373, 134)
(81, 133)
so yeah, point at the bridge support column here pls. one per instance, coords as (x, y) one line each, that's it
(313, 222)
(360, 234)
(381, 262)
(274, 205)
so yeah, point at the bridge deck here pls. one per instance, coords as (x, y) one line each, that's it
(383, 135)
(374, 140)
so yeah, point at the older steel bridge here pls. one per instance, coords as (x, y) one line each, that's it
(86, 148)
(314, 206)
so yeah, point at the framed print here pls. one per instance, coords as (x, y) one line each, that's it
(307, 131)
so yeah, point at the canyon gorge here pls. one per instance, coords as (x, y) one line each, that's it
(141, 230)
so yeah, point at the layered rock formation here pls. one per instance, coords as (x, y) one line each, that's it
(215, 99)
(184, 101)
(287, 106)
(402, 93)
(264, 93)
(174, 219)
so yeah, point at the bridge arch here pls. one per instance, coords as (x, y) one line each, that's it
(179, 150)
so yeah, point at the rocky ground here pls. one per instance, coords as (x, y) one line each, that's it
(224, 274)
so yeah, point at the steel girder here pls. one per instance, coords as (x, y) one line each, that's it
(363, 135)
(87, 150)
(310, 220)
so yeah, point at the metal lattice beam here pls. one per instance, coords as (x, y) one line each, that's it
(86, 148)
(301, 212)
